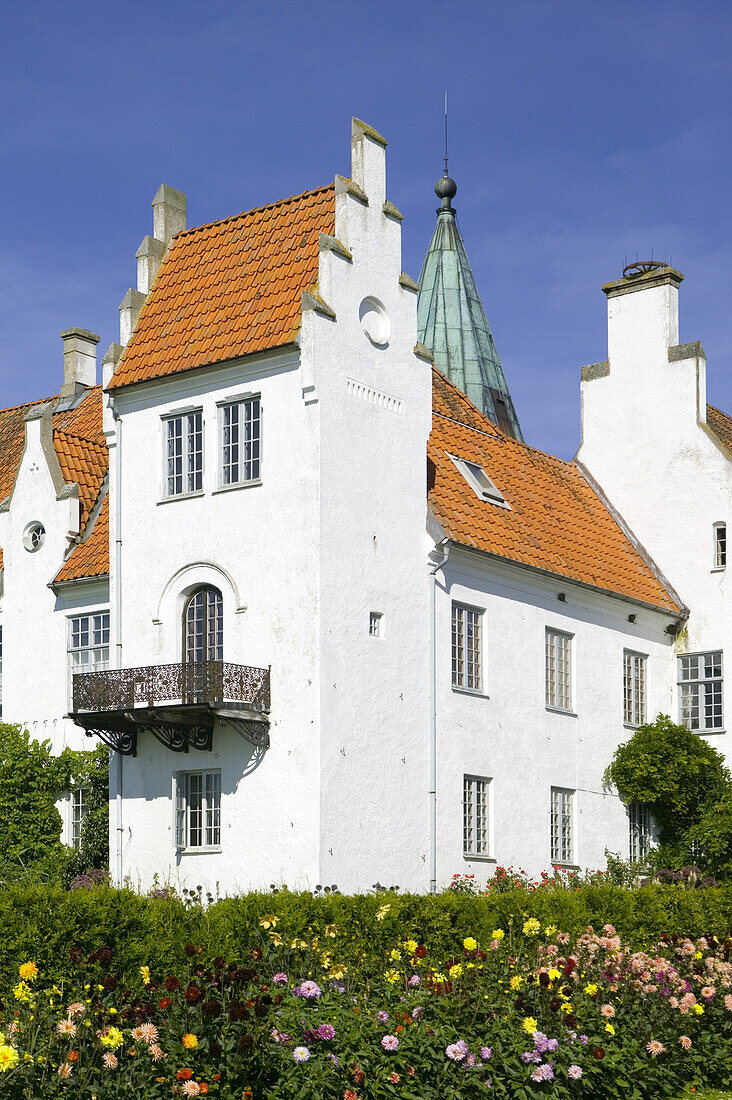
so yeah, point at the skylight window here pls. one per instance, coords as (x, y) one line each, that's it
(479, 482)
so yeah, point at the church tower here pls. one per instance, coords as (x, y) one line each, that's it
(452, 323)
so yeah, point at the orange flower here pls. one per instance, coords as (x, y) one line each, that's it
(165, 1002)
(184, 1074)
(202, 1088)
(247, 1094)
(72, 1056)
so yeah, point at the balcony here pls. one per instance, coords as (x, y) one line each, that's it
(180, 704)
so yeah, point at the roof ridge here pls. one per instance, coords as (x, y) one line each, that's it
(470, 427)
(254, 210)
(27, 404)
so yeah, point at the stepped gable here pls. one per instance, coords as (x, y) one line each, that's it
(230, 288)
(556, 522)
(79, 443)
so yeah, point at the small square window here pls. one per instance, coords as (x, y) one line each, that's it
(479, 481)
(376, 621)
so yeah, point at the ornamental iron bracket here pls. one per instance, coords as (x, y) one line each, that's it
(122, 741)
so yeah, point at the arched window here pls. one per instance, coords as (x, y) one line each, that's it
(203, 626)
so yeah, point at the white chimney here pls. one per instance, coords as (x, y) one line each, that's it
(643, 313)
(169, 213)
(80, 359)
(129, 311)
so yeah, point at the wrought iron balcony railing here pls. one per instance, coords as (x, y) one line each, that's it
(207, 683)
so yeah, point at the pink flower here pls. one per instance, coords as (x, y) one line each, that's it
(280, 978)
(607, 1011)
(685, 1042)
(728, 1002)
(457, 1051)
(109, 1060)
(66, 1027)
(64, 1071)
(190, 1088)
(486, 1053)
(575, 1072)
(382, 1016)
(76, 1009)
(390, 1042)
(156, 1052)
(708, 992)
(655, 1048)
(146, 1033)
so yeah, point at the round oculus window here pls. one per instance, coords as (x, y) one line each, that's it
(375, 321)
(33, 536)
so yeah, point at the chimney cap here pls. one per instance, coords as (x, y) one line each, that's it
(81, 333)
(170, 195)
(643, 276)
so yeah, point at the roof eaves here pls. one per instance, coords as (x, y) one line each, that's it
(291, 342)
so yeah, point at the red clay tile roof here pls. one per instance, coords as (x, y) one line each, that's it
(721, 425)
(91, 557)
(230, 288)
(556, 521)
(79, 443)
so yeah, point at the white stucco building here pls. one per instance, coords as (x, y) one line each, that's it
(335, 624)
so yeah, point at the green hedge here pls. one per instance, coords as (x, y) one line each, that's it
(43, 923)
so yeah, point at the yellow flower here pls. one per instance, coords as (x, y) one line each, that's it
(698, 1009)
(28, 971)
(554, 974)
(531, 926)
(497, 934)
(21, 992)
(590, 989)
(145, 975)
(411, 946)
(298, 945)
(566, 1008)
(269, 920)
(609, 1028)
(550, 930)
(469, 943)
(338, 971)
(392, 976)
(331, 930)
(112, 1012)
(455, 971)
(382, 911)
(516, 983)
(395, 955)
(697, 954)
(113, 1039)
(276, 938)
(190, 1042)
(8, 1057)
(470, 966)
(326, 959)
(530, 1025)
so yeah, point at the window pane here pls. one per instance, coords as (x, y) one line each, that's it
(561, 825)
(466, 647)
(558, 670)
(700, 690)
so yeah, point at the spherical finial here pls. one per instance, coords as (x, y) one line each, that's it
(445, 189)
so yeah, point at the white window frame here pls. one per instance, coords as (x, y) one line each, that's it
(635, 681)
(376, 624)
(476, 817)
(210, 810)
(719, 550)
(78, 809)
(640, 831)
(561, 827)
(479, 482)
(98, 625)
(554, 697)
(243, 403)
(191, 480)
(703, 692)
(460, 650)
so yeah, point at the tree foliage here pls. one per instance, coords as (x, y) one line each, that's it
(680, 777)
(32, 781)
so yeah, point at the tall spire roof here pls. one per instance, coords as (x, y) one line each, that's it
(452, 322)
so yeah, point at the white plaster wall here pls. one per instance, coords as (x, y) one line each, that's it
(373, 435)
(34, 620)
(259, 546)
(645, 440)
(508, 735)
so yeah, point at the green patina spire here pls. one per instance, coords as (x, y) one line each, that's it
(452, 322)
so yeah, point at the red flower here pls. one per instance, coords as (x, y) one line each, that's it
(420, 952)
(184, 1074)
(72, 1056)
(599, 1053)
(165, 1002)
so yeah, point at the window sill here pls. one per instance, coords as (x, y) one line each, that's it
(182, 496)
(198, 851)
(239, 485)
(470, 691)
(718, 569)
(559, 866)
(479, 859)
(707, 733)
(633, 725)
(561, 710)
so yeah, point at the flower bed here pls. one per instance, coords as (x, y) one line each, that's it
(529, 1011)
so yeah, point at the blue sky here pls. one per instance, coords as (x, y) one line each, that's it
(581, 133)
